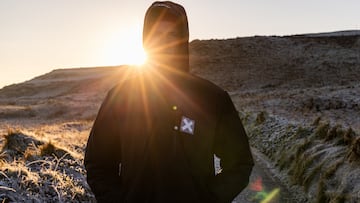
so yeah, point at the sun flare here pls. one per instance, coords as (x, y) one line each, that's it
(125, 48)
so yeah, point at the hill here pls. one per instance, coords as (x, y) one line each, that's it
(298, 97)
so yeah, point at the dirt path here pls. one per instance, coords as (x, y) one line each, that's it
(264, 187)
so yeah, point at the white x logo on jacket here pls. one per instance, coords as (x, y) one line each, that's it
(187, 125)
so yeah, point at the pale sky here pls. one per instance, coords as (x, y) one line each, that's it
(37, 36)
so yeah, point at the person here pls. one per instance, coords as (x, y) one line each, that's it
(157, 131)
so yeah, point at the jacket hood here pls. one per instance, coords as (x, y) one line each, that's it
(170, 11)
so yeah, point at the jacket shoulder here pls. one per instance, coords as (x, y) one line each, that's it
(208, 85)
(127, 81)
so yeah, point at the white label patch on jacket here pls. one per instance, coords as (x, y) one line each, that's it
(187, 125)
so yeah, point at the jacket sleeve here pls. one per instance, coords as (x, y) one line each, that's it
(232, 147)
(102, 156)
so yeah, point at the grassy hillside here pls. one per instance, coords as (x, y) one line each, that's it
(298, 97)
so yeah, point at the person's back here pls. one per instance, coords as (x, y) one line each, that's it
(156, 134)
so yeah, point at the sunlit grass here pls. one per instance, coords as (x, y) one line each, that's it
(47, 167)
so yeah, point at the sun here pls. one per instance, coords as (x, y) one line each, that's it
(135, 56)
(124, 47)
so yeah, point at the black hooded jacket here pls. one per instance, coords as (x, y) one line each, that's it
(155, 137)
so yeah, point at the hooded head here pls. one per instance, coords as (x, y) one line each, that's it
(166, 36)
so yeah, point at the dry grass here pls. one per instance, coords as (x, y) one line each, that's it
(316, 122)
(354, 150)
(35, 170)
(260, 118)
(321, 196)
(293, 78)
(330, 171)
(322, 130)
(312, 156)
(349, 136)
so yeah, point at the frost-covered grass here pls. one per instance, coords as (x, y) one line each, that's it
(321, 157)
(44, 164)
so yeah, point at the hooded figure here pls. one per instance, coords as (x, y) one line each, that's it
(169, 12)
(156, 133)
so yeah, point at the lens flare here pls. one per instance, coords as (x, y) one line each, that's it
(270, 196)
(262, 195)
(257, 185)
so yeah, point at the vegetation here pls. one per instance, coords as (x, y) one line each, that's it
(260, 118)
(312, 155)
(40, 171)
(322, 130)
(292, 81)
